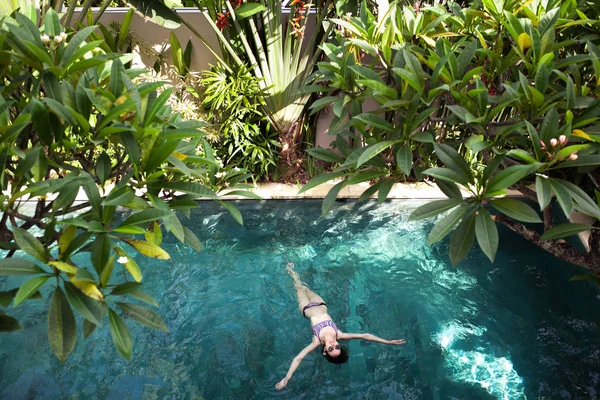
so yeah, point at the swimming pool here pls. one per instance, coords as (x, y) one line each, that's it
(510, 330)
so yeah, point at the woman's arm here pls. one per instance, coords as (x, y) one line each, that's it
(296, 362)
(369, 337)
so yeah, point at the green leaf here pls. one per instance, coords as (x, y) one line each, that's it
(509, 176)
(564, 230)
(124, 31)
(447, 175)
(449, 189)
(563, 196)
(119, 196)
(52, 25)
(40, 120)
(246, 10)
(433, 208)
(363, 176)
(584, 202)
(325, 155)
(144, 216)
(233, 211)
(29, 244)
(192, 188)
(107, 271)
(9, 324)
(384, 190)
(450, 157)
(90, 309)
(88, 328)
(74, 44)
(331, 197)
(29, 288)
(521, 155)
(404, 158)
(177, 54)
(462, 239)
(144, 316)
(445, 225)
(374, 149)
(120, 335)
(103, 167)
(125, 288)
(157, 12)
(100, 252)
(374, 121)
(192, 240)
(543, 190)
(320, 179)
(486, 233)
(84, 275)
(582, 161)
(18, 267)
(516, 210)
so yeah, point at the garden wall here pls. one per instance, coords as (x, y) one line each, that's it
(158, 37)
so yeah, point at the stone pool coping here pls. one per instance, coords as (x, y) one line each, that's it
(413, 191)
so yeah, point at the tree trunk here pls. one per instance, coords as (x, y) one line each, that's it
(291, 156)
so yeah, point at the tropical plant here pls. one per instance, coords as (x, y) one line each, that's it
(72, 121)
(234, 101)
(254, 34)
(498, 95)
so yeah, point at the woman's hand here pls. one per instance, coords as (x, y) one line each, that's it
(281, 384)
(397, 341)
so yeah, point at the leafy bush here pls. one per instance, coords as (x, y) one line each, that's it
(235, 99)
(72, 121)
(502, 94)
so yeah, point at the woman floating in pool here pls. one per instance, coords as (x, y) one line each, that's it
(326, 333)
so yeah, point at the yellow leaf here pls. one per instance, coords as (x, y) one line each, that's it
(63, 266)
(89, 289)
(179, 155)
(120, 100)
(130, 265)
(581, 134)
(481, 40)
(148, 249)
(154, 234)
(524, 41)
(66, 237)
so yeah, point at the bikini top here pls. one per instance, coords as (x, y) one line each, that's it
(317, 328)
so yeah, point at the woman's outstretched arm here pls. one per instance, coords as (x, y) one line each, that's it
(296, 362)
(369, 337)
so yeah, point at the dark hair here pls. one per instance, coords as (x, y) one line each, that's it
(341, 359)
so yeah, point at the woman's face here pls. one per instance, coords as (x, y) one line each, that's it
(333, 348)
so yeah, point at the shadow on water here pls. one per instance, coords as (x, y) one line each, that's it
(512, 330)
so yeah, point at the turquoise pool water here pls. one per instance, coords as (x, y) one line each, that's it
(512, 330)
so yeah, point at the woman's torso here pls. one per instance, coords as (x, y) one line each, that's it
(318, 315)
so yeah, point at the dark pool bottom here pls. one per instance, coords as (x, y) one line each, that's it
(515, 329)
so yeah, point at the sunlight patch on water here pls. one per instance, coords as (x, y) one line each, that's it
(495, 374)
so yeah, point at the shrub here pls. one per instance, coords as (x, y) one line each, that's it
(71, 121)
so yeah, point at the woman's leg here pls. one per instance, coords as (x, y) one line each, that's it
(305, 295)
(301, 293)
(313, 297)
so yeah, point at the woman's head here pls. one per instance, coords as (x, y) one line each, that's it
(335, 354)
